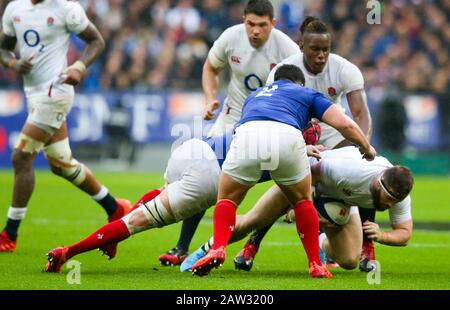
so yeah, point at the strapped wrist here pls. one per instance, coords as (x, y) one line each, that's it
(79, 66)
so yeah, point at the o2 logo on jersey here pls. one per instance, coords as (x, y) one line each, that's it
(252, 82)
(31, 38)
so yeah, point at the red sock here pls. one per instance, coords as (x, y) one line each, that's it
(146, 198)
(224, 222)
(307, 223)
(110, 233)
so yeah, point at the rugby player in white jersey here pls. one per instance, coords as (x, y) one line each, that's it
(333, 76)
(42, 29)
(251, 50)
(343, 176)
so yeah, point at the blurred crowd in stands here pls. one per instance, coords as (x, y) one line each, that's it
(155, 44)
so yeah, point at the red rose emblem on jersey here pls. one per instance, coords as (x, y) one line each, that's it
(236, 59)
(272, 66)
(331, 91)
(50, 21)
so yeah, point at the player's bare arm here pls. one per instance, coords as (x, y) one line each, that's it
(210, 84)
(398, 236)
(95, 46)
(334, 117)
(357, 102)
(7, 57)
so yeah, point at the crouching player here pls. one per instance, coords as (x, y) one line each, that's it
(340, 176)
(187, 192)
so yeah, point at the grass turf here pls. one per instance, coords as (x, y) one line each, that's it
(60, 214)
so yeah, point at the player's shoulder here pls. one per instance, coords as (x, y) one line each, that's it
(339, 63)
(295, 59)
(14, 5)
(234, 32)
(67, 4)
(281, 36)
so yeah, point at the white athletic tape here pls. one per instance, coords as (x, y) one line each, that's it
(59, 155)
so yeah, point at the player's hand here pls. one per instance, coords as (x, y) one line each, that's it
(369, 153)
(21, 66)
(289, 217)
(72, 77)
(321, 147)
(209, 109)
(313, 151)
(372, 230)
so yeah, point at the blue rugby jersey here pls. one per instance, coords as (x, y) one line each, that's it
(285, 102)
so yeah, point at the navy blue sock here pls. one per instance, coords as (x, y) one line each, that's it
(109, 204)
(367, 215)
(12, 226)
(188, 230)
(258, 235)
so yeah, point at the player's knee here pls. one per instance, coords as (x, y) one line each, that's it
(59, 156)
(349, 263)
(152, 214)
(28, 145)
(21, 160)
(136, 221)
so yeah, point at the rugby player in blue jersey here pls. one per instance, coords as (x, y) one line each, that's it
(267, 139)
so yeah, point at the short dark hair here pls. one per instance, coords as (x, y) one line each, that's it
(312, 24)
(399, 181)
(291, 73)
(260, 8)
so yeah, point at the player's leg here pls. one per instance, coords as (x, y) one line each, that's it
(180, 199)
(269, 207)
(267, 210)
(31, 140)
(230, 195)
(293, 176)
(178, 254)
(343, 243)
(368, 248)
(154, 213)
(59, 156)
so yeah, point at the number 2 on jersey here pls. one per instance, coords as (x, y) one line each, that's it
(267, 91)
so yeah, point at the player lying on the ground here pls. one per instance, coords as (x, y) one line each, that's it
(342, 180)
(267, 139)
(186, 193)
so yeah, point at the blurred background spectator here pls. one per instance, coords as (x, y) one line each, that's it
(162, 44)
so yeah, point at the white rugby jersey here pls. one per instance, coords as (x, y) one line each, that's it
(346, 176)
(338, 77)
(42, 31)
(250, 67)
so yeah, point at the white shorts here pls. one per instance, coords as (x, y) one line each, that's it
(192, 175)
(44, 111)
(267, 145)
(329, 137)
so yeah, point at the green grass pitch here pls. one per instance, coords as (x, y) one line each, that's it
(59, 214)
